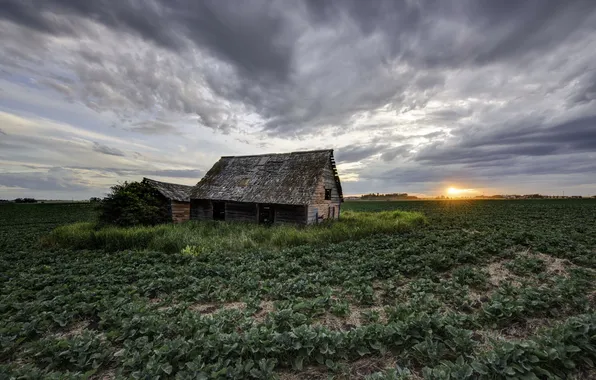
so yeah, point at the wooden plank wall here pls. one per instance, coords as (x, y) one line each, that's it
(201, 209)
(241, 212)
(180, 211)
(289, 214)
(319, 204)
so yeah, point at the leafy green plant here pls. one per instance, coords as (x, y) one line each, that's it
(471, 276)
(522, 265)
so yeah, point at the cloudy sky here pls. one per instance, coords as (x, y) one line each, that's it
(414, 96)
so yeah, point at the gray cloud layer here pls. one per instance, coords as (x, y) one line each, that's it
(100, 148)
(444, 88)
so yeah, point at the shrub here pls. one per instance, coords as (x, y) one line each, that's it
(133, 204)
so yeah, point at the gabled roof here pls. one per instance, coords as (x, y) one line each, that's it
(171, 191)
(281, 178)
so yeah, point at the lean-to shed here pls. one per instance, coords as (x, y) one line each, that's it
(178, 196)
(297, 187)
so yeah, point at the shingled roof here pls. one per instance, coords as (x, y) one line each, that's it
(281, 178)
(173, 191)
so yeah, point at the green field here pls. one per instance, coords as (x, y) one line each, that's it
(488, 289)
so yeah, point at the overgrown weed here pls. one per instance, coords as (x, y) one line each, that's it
(198, 237)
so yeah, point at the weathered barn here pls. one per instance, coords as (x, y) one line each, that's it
(297, 187)
(178, 196)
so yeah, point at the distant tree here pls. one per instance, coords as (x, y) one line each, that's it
(25, 200)
(132, 204)
(94, 200)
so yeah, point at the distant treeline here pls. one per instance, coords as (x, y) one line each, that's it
(19, 200)
(389, 196)
(25, 200)
(533, 196)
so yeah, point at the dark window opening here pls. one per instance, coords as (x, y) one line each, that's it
(327, 194)
(219, 211)
(266, 214)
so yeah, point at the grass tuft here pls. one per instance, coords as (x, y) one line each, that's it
(196, 237)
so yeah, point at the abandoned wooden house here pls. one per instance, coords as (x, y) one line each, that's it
(178, 197)
(297, 187)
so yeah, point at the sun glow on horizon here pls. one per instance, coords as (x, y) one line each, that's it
(456, 191)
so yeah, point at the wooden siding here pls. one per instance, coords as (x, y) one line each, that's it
(180, 211)
(241, 212)
(201, 209)
(319, 204)
(289, 214)
(247, 212)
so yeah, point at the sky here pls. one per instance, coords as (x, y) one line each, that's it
(497, 97)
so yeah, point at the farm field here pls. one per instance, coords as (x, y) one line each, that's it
(488, 289)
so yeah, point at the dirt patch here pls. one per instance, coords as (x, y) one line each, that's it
(266, 308)
(351, 321)
(522, 330)
(358, 369)
(367, 366)
(554, 265)
(584, 374)
(499, 273)
(107, 374)
(309, 373)
(333, 322)
(526, 328)
(592, 298)
(210, 308)
(73, 330)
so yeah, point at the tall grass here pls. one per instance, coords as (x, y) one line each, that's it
(223, 236)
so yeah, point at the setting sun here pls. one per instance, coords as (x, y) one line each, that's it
(456, 191)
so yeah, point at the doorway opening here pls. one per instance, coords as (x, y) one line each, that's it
(219, 211)
(266, 214)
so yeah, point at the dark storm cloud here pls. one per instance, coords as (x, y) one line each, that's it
(247, 34)
(536, 25)
(261, 40)
(100, 148)
(400, 151)
(489, 77)
(501, 30)
(2, 132)
(574, 136)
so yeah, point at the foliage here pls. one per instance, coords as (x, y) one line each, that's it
(526, 265)
(474, 277)
(424, 303)
(133, 204)
(196, 238)
(25, 200)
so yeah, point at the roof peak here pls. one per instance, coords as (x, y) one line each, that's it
(282, 154)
